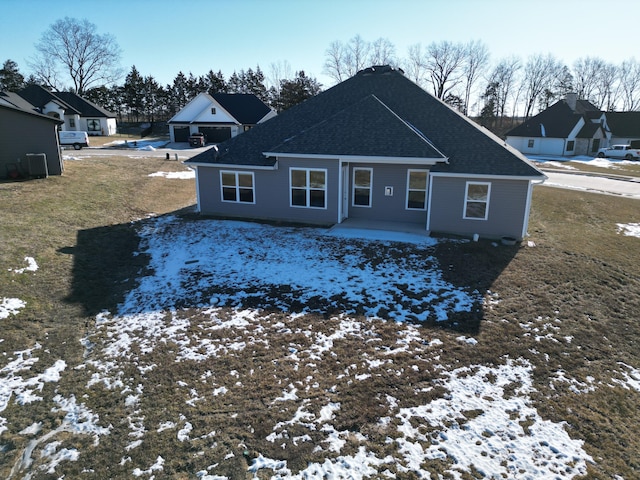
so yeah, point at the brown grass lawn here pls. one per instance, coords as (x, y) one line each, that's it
(568, 304)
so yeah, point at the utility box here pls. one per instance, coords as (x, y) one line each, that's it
(37, 165)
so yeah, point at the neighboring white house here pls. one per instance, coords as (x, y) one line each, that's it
(77, 113)
(219, 116)
(568, 127)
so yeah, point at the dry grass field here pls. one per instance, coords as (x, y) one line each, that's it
(101, 384)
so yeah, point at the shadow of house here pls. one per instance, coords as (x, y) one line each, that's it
(107, 268)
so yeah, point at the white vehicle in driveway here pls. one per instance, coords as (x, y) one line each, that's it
(620, 151)
(74, 138)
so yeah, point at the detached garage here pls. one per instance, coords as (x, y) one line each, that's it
(220, 116)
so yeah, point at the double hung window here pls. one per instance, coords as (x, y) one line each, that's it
(237, 187)
(308, 187)
(362, 181)
(417, 189)
(476, 205)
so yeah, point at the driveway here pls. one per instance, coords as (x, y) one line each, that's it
(609, 185)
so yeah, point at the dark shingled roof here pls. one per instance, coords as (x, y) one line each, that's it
(624, 124)
(39, 96)
(246, 108)
(432, 126)
(85, 107)
(557, 121)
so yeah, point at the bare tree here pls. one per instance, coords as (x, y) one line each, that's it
(504, 77)
(629, 74)
(335, 61)
(540, 74)
(414, 65)
(476, 61)
(606, 91)
(86, 57)
(383, 52)
(586, 71)
(444, 62)
(278, 72)
(357, 56)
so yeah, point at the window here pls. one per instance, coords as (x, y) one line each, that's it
(362, 187)
(570, 145)
(93, 125)
(213, 110)
(476, 204)
(417, 189)
(237, 187)
(308, 187)
(530, 144)
(72, 123)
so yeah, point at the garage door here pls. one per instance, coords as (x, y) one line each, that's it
(181, 134)
(216, 134)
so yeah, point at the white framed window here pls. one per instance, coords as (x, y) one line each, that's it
(308, 187)
(476, 203)
(530, 143)
(362, 181)
(417, 189)
(237, 187)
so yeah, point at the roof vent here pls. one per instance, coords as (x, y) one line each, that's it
(379, 69)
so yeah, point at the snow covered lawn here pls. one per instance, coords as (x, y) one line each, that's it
(301, 354)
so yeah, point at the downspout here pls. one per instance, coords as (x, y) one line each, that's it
(525, 225)
(198, 210)
(428, 226)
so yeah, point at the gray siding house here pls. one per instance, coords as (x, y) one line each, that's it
(25, 132)
(375, 147)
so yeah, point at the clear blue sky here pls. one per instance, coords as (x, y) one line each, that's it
(163, 37)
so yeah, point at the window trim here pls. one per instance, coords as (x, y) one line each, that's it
(236, 174)
(466, 200)
(307, 188)
(531, 143)
(409, 189)
(354, 187)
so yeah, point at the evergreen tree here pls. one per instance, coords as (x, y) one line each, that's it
(296, 91)
(134, 93)
(215, 83)
(178, 93)
(11, 79)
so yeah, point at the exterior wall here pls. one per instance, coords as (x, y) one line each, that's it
(107, 126)
(23, 133)
(388, 208)
(541, 145)
(507, 207)
(272, 195)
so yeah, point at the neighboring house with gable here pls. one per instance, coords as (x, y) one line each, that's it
(25, 136)
(568, 127)
(376, 148)
(77, 113)
(219, 117)
(625, 127)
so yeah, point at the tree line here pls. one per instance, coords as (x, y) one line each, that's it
(461, 74)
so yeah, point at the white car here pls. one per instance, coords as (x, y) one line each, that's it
(620, 151)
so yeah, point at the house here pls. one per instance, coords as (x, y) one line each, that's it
(78, 114)
(219, 116)
(374, 148)
(625, 127)
(28, 140)
(568, 127)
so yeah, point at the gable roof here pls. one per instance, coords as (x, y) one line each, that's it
(624, 124)
(15, 100)
(247, 108)
(239, 108)
(27, 111)
(85, 107)
(39, 97)
(384, 134)
(557, 121)
(469, 148)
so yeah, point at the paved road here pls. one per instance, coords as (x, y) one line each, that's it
(183, 151)
(624, 186)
